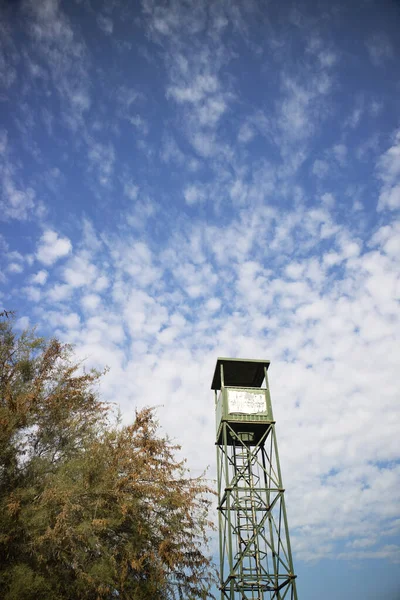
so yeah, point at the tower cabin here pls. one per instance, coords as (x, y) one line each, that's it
(242, 399)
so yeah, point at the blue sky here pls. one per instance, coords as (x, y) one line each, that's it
(185, 180)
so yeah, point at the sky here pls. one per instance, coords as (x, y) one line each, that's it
(182, 180)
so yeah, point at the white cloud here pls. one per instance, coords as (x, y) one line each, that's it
(40, 278)
(15, 256)
(389, 162)
(239, 192)
(211, 111)
(141, 212)
(388, 167)
(22, 323)
(68, 320)
(195, 83)
(375, 108)
(59, 292)
(390, 198)
(80, 272)
(246, 133)
(388, 238)
(379, 48)
(140, 124)
(213, 304)
(105, 24)
(137, 261)
(91, 241)
(328, 200)
(15, 203)
(354, 118)
(33, 293)
(131, 191)
(3, 141)
(15, 268)
(80, 100)
(61, 46)
(327, 58)
(193, 194)
(102, 159)
(204, 143)
(294, 271)
(301, 105)
(91, 302)
(340, 153)
(320, 168)
(52, 247)
(170, 151)
(101, 283)
(332, 258)
(168, 335)
(201, 86)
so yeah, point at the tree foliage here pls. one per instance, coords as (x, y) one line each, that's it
(89, 509)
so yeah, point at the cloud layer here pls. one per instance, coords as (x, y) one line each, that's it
(191, 180)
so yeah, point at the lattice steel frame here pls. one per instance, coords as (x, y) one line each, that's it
(255, 554)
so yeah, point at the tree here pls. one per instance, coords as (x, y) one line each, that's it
(89, 509)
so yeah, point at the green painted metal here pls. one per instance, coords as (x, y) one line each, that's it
(255, 555)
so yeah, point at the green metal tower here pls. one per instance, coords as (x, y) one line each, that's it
(255, 555)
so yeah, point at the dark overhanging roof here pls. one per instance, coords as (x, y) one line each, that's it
(241, 372)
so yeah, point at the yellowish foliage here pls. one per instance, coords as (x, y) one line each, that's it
(90, 509)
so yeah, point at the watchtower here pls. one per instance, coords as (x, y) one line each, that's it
(255, 555)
